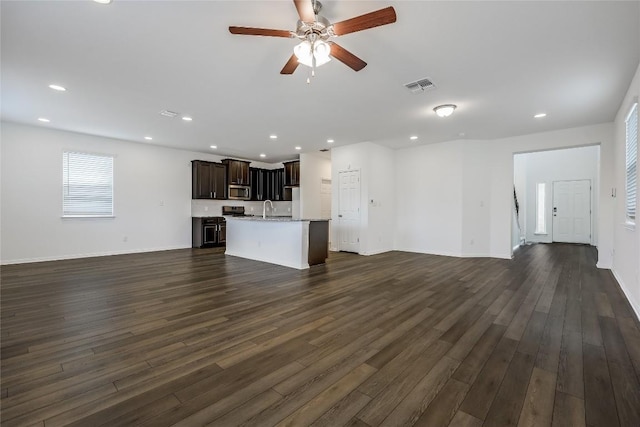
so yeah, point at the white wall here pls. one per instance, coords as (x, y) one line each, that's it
(556, 165)
(152, 197)
(429, 199)
(453, 193)
(377, 195)
(313, 168)
(500, 160)
(626, 256)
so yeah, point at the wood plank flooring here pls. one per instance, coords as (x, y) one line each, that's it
(192, 337)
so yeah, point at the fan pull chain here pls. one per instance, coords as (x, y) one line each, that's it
(313, 64)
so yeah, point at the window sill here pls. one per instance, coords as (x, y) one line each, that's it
(631, 226)
(540, 234)
(86, 216)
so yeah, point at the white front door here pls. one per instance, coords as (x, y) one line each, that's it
(349, 211)
(572, 211)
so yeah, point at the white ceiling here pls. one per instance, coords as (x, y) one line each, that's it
(500, 62)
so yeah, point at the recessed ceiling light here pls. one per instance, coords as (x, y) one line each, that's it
(148, 138)
(413, 138)
(214, 146)
(102, 1)
(330, 141)
(263, 155)
(273, 136)
(42, 119)
(187, 118)
(445, 110)
(541, 115)
(298, 148)
(58, 88)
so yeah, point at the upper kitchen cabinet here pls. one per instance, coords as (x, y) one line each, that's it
(209, 180)
(292, 174)
(266, 184)
(277, 184)
(237, 172)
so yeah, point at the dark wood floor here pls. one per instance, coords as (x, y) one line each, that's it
(191, 337)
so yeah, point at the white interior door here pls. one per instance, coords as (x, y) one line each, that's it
(349, 211)
(572, 211)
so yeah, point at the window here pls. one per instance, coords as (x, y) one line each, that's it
(541, 219)
(631, 163)
(87, 185)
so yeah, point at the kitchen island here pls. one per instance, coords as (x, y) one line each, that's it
(295, 243)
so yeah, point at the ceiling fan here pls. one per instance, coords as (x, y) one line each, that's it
(315, 33)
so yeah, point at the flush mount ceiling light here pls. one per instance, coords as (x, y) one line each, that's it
(58, 88)
(330, 141)
(43, 120)
(413, 138)
(102, 1)
(298, 148)
(273, 136)
(148, 138)
(187, 118)
(213, 146)
(540, 115)
(444, 110)
(263, 155)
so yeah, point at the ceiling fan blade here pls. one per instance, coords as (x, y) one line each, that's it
(368, 20)
(290, 66)
(305, 10)
(250, 31)
(346, 57)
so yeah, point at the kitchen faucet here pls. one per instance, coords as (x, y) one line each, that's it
(264, 207)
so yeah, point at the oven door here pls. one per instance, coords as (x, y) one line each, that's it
(209, 234)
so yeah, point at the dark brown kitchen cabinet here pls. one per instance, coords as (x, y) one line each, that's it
(292, 174)
(267, 184)
(237, 172)
(277, 184)
(209, 180)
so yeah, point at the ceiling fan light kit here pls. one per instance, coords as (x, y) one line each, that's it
(445, 110)
(315, 32)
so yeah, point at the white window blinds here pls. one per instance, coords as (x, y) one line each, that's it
(631, 163)
(87, 181)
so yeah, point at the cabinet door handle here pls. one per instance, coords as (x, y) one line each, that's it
(214, 194)
(211, 194)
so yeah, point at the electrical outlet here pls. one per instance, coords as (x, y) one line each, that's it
(125, 239)
(161, 202)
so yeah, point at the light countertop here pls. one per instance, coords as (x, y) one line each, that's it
(271, 219)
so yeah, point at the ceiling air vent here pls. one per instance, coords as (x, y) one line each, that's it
(324, 150)
(168, 113)
(420, 85)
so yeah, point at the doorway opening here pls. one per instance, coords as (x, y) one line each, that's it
(556, 193)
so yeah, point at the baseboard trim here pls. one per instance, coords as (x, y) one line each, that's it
(634, 305)
(90, 255)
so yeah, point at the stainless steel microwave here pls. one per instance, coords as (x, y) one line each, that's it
(239, 192)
